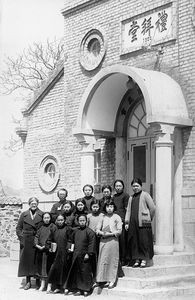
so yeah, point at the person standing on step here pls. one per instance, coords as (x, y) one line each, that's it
(67, 211)
(58, 242)
(138, 218)
(57, 208)
(81, 276)
(93, 220)
(79, 209)
(88, 195)
(44, 258)
(121, 199)
(28, 224)
(109, 229)
(107, 196)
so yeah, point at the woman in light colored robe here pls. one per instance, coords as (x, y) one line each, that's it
(109, 230)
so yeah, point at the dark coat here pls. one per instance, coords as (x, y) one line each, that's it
(88, 201)
(76, 214)
(82, 273)
(121, 202)
(26, 230)
(61, 265)
(57, 209)
(103, 201)
(43, 258)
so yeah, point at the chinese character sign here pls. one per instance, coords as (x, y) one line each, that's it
(150, 29)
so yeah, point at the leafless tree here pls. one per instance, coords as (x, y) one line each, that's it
(25, 74)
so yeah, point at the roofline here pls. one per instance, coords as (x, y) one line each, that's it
(44, 90)
(72, 8)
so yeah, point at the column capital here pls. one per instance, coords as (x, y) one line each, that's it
(87, 149)
(163, 134)
(84, 138)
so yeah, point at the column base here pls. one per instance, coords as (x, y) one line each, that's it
(178, 247)
(164, 250)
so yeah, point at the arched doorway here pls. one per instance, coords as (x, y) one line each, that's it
(103, 112)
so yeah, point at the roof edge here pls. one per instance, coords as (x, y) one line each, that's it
(44, 89)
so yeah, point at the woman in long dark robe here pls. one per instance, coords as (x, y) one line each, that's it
(61, 235)
(81, 276)
(139, 215)
(28, 224)
(44, 258)
(121, 199)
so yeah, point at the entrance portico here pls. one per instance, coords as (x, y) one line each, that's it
(106, 109)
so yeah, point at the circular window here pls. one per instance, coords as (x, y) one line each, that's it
(92, 49)
(49, 173)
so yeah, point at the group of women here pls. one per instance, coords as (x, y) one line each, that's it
(77, 246)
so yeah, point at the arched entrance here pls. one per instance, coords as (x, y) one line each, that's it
(108, 108)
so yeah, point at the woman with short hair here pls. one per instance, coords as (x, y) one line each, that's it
(109, 229)
(138, 218)
(28, 224)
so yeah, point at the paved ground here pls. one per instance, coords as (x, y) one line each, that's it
(11, 287)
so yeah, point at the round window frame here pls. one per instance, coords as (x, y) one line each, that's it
(88, 60)
(48, 185)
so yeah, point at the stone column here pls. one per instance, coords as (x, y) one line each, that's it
(87, 142)
(177, 186)
(87, 164)
(164, 189)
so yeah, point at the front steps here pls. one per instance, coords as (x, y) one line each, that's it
(171, 276)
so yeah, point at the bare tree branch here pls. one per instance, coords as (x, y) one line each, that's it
(25, 73)
(29, 69)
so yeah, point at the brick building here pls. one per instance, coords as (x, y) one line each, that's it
(121, 105)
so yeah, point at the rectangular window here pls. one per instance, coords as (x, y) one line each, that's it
(97, 166)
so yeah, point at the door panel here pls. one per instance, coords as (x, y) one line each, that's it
(141, 162)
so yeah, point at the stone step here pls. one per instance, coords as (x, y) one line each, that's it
(147, 294)
(177, 258)
(159, 270)
(155, 282)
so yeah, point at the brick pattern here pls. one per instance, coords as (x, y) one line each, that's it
(107, 161)
(45, 136)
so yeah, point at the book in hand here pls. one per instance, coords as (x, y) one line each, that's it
(70, 247)
(106, 229)
(53, 247)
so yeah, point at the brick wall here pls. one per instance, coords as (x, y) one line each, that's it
(45, 137)
(108, 161)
